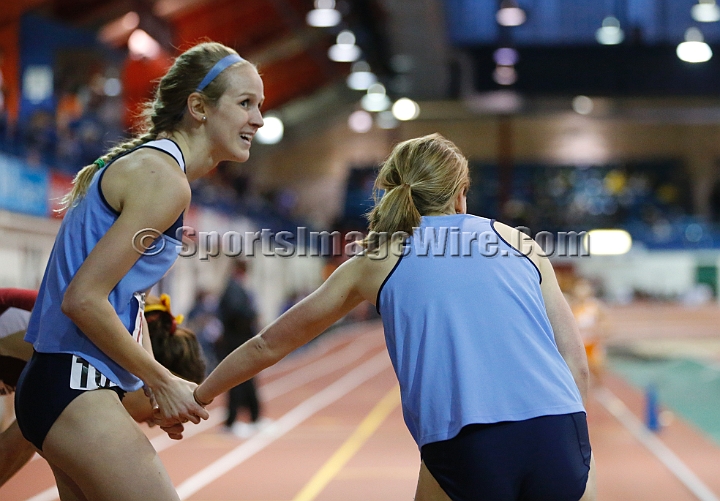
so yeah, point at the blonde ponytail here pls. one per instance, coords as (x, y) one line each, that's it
(421, 176)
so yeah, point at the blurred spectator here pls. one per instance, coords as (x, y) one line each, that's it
(238, 314)
(203, 320)
(40, 138)
(589, 315)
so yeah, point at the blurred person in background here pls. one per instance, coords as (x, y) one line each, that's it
(174, 347)
(491, 366)
(118, 238)
(238, 314)
(203, 320)
(590, 317)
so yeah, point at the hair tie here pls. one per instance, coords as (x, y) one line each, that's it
(100, 163)
(219, 67)
(408, 185)
(165, 307)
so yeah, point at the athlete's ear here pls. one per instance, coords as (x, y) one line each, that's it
(197, 107)
(461, 201)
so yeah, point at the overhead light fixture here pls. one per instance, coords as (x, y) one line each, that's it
(607, 242)
(130, 21)
(505, 75)
(506, 56)
(323, 15)
(583, 105)
(376, 99)
(360, 121)
(705, 11)
(610, 32)
(112, 87)
(510, 14)
(694, 49)
(142, 45)
(272, 131)
(405, 109)
(361, 78)
(386, 120)
(345, 50)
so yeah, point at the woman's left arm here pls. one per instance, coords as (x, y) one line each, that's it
(300, 324)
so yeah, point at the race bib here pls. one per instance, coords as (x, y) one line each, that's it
(83, 376)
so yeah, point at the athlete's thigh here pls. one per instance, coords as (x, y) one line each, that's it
(98, 445)
(428, 489)
(67, 488)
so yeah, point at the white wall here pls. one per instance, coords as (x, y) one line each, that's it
(668, 274)
(25, 246)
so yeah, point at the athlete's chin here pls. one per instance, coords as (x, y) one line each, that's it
(240, 156)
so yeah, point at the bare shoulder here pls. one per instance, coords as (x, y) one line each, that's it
(523, 243)
(373, 267)
(146, 174)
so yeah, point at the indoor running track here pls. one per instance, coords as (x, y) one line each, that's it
(337, 435)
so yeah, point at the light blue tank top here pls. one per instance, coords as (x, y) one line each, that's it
(467, 332)
(50, 330)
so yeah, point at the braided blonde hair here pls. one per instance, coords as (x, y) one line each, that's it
(165, 112)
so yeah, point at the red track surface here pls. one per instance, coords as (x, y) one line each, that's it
(338, 434)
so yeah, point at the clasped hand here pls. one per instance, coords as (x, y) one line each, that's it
(174, 405)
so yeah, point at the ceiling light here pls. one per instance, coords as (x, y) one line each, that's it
(375, 102)
(361, 78)
(694, 49)
(505, 56)
(376, 99)
(112, 87)
(583, 105)
(360, 121)
(272, 131)
(510, 14)
(323, 15)
(130, 21)
(345, 50)
(610, 33)
(505, 75)
(143, 45)
(386, 120)
(607, 242)
(706, 11)
(405, 109)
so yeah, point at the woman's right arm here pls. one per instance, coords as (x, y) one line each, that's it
(306, 320)
(151, 197)
(565, 329)
(567, 334)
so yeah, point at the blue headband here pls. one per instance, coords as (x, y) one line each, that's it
(219, 67)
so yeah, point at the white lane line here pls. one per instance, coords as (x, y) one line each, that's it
(48, 495)
(617, 408)
(161, 442)
(293, 418)
(317, 369)
(321, 346)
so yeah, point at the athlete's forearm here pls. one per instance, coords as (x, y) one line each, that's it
(242, 364)
(99, 322)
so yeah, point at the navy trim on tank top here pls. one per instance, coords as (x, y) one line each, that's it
(492, 225)
(377, 301)
(172, 231)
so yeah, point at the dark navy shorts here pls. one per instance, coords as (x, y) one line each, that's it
(541, 459)
(49, 382)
